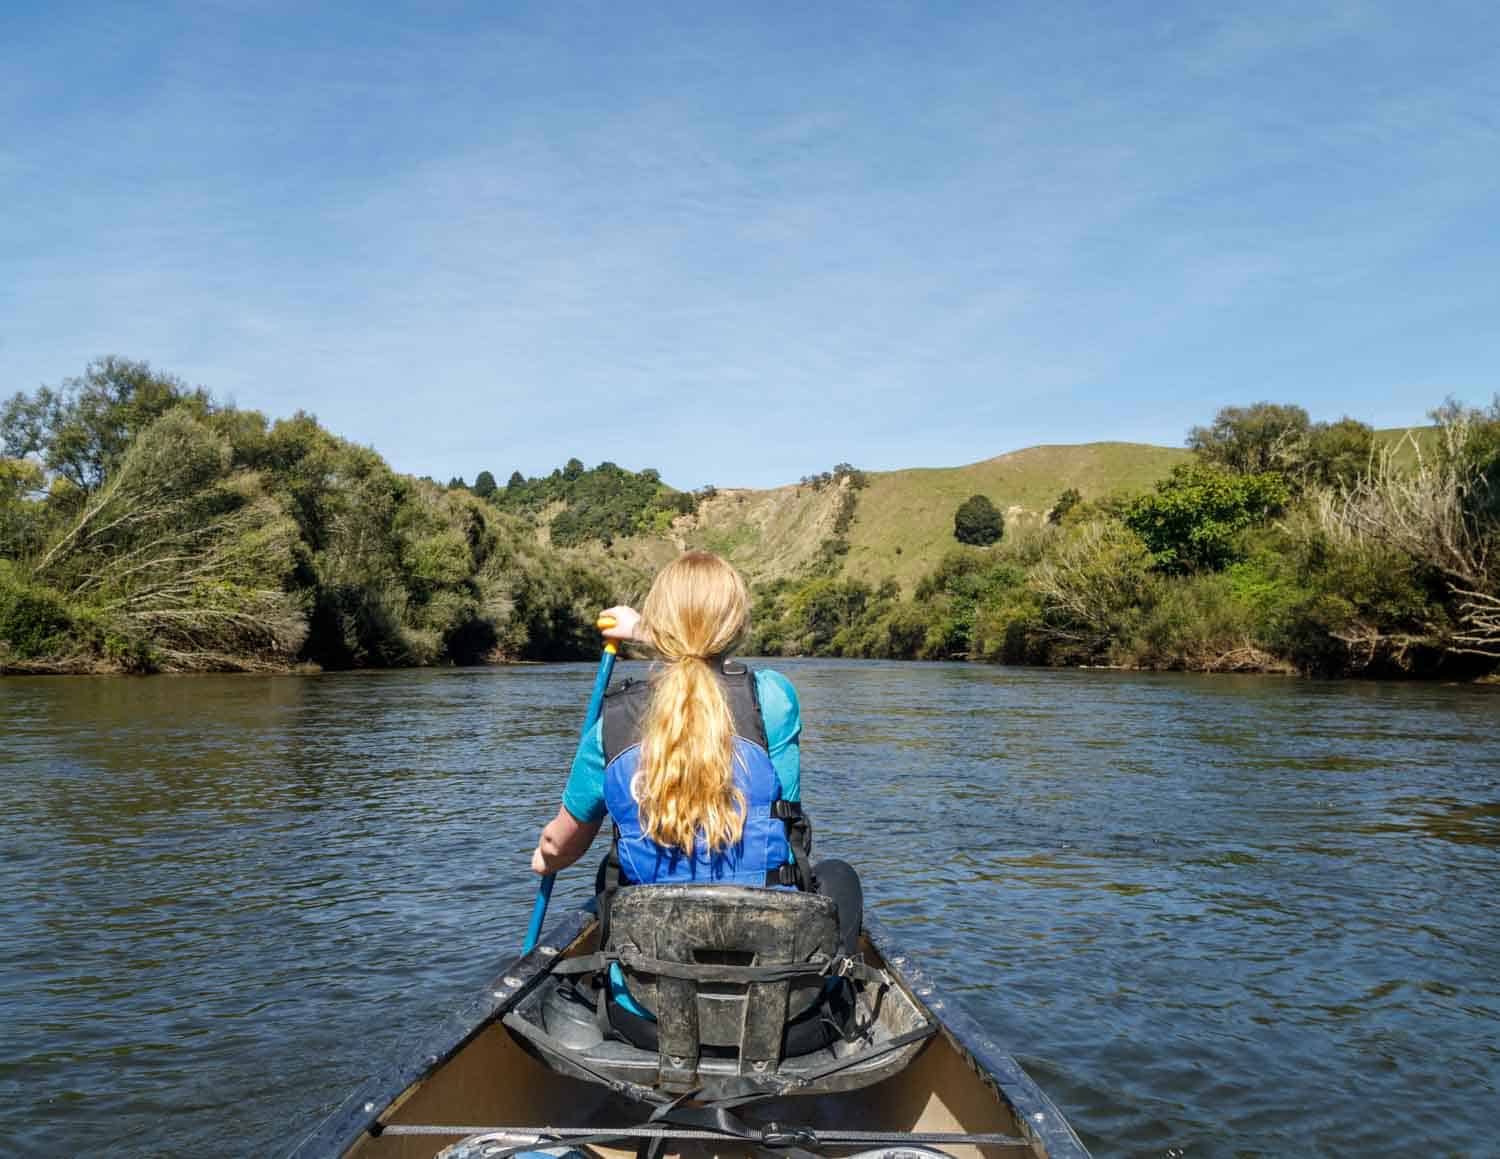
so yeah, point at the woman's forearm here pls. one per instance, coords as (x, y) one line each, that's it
(563, 841)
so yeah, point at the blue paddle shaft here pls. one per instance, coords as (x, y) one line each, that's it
(601, 682)
(539, 912)
(544, 887)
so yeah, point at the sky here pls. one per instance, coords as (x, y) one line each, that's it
(740, 242)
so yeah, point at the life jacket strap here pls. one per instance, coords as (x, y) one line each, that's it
(785, 875)
(799, 837)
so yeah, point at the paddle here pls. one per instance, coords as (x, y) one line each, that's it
(596, 703)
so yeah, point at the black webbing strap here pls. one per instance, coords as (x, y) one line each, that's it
(533, 1033)
(789, 1141)
(744, 1091)
(607, 884)
(799, 837)
(788, 874)
(916, 1034)
(632, 959)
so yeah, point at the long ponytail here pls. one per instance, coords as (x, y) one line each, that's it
(695, 612)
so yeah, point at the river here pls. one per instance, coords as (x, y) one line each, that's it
(1211, 916)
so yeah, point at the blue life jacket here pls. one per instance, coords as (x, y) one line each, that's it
(762, 851)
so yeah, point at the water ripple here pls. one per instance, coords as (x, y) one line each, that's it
(1211, 916)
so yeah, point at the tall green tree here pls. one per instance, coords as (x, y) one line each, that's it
(1249, 440)
(978, 522)
(180, 559)
(484, 485)
(1338, 452)
(82, 429)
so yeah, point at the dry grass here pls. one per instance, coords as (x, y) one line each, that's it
(765, 534)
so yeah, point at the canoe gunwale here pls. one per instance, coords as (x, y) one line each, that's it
(360, 1113)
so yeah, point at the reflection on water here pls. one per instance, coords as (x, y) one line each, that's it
(1212, 916)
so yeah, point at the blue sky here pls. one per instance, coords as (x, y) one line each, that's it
(741, 242)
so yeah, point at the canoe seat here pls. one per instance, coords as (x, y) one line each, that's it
(721, 966)
(739, 992)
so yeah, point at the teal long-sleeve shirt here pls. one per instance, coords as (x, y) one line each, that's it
(583, 796)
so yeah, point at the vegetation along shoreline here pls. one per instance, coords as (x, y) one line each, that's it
(147, 527)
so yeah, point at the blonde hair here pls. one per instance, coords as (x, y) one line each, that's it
(696, 611)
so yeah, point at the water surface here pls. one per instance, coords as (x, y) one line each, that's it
(1212, 916)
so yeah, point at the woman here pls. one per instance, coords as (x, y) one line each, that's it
(701, 767)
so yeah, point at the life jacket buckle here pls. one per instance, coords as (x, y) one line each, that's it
(782, 875)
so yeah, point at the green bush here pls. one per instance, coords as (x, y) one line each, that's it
(1194, 516)
(1063, 504)
(1196, 623)
(34, 621)
(1334, 608)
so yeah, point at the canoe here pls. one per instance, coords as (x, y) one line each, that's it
(478, 1087)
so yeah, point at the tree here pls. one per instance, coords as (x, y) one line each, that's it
(516, 482)
(1338, 452)
(180, 557)
(1068, 500)
(857, 479)
(977, 521)
(484, 485)
(1197, 512)
(1250, 440)
(82, 430)
(20, 511)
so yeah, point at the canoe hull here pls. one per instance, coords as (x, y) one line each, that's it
(472, 1075)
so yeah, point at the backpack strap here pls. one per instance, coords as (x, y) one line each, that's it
(623, 713)
(625, 709)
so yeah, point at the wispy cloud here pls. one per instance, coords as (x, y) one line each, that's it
(740, 246)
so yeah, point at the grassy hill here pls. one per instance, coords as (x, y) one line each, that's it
(1408, 442)
(903, 522)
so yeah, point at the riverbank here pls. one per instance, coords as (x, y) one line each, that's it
(207, 538)
(1267, 666)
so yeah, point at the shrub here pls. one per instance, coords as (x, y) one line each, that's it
(34, 620)
(1193, 517)
(1092, 586)
(1196, 623)
(1064, 503)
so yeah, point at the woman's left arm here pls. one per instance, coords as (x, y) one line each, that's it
(563, 841)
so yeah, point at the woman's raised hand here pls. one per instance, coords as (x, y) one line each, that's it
(627, 625)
